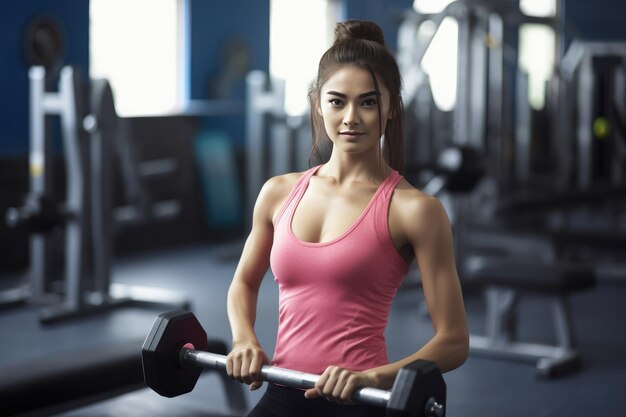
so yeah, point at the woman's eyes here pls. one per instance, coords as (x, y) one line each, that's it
(366, 103)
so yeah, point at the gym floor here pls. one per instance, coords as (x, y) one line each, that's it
(481, 387)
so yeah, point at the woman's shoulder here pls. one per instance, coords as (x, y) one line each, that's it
(276, 189)
(411, 204)
(282, 184)
(406, 193)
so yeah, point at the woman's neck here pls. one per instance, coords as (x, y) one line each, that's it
(346, 168)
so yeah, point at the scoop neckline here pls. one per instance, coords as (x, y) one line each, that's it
(345, 233)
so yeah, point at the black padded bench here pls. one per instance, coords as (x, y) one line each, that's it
(69, 380)
(504, 280)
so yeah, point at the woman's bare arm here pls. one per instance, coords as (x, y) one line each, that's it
(245, 360)
(429, 233)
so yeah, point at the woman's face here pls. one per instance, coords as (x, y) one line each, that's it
(349, 107)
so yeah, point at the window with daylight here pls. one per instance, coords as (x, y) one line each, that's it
(300, 32)
(138, 45)
(440, 59)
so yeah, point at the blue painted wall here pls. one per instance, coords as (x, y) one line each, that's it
(386, 13)
(597, 20)
(212, 26)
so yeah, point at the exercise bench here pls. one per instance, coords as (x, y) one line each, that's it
(504, 279)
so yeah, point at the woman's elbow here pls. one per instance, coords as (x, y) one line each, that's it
(457, 351)
(461, 349)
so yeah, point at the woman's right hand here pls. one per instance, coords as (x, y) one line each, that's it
(244, 364)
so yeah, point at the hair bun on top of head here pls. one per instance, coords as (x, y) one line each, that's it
(359, 29)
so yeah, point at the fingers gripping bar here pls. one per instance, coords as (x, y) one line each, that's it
(287, 377)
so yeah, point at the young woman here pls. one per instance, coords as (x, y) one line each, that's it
(339, 238)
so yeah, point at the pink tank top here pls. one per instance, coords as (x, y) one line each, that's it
(335, 297)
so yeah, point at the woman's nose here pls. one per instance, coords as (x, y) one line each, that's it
(351, 117)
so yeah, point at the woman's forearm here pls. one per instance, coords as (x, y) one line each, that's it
(241, 306)
(447, 352)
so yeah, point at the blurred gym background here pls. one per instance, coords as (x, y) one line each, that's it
(136, 134)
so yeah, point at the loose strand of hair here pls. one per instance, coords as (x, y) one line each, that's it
(380, 113)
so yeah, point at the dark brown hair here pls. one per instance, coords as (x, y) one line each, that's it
(362, 43)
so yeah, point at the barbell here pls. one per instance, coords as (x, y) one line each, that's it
(174, 355)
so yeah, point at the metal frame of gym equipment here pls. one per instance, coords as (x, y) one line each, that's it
(507, 275)
(500, 329)
(579, 95)
(467, 122)
(88, 220)
(510, 263)
(489, 99)
(582, 208)
(276, 143)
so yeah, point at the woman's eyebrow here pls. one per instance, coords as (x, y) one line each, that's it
(369, 93)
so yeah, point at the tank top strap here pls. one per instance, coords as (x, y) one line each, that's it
(304, 179)
(381, 208)
(388, 186)
(297, 190)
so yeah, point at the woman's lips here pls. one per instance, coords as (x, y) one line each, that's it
(351, 133)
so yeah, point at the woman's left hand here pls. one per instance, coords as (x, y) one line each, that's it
(337, 384)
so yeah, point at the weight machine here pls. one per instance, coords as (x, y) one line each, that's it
(592, 115)
(86, 219)
(491, 112)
